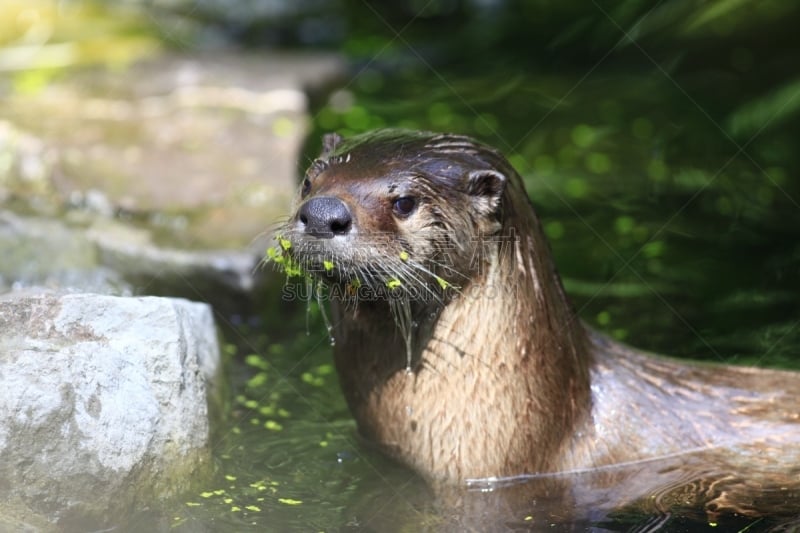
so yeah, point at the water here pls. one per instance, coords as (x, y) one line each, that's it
(667, 237)
(288, 457)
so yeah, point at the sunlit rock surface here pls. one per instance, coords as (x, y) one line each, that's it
(104, 402)
(205, 149)
(164, 178)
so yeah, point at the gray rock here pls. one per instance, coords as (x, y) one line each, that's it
(205, 275)
(49, 253)
(102, 255)
(104, 403)
(203, 149)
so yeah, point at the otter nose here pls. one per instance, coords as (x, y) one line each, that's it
(325, 216)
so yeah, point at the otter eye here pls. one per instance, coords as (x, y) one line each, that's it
(404, 206)
(305, 188)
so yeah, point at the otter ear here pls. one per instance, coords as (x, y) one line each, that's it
(486, 188)
(329, 142)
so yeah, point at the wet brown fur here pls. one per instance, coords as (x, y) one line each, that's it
(505, 380)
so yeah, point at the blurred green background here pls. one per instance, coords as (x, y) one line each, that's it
(659, 141)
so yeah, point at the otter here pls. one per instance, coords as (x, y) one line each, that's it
(460, 355)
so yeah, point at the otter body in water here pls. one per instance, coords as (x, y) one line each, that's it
(458, 352)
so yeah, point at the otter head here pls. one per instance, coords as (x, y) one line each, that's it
(396, 210)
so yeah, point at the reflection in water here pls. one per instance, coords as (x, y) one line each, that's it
(666, 493)
(678, 487)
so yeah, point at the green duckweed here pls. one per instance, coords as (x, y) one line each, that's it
(393, 283)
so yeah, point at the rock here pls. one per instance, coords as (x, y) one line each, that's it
(206, 149)
(213, 276)
(104, 404)
(102, 255)
(49, 253)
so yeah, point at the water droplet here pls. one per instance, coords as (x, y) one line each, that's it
(333, 340)
(343, 456)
